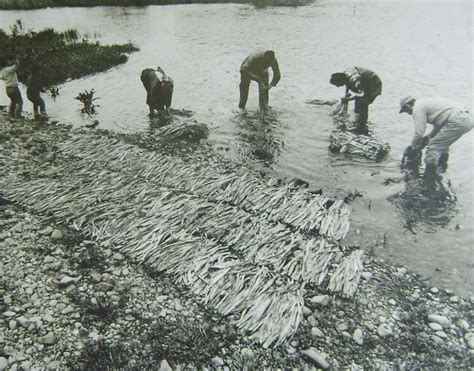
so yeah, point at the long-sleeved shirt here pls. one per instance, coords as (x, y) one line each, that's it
(8, 74)
(436, 111)
(257, 63)
(362, 79)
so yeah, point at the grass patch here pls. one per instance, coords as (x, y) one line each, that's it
(59, 55)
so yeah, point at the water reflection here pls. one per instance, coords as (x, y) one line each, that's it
(258, 137)
(426, 203)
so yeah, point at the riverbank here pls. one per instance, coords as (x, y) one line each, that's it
(70, 300)
(59, 56)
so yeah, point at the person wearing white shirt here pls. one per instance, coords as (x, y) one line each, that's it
(8, 74)
(450, 121)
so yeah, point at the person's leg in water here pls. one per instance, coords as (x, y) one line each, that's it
(437, 151)
(443, 162)
(263, 93)
(361, 109)
(16, 102)
(244, 89)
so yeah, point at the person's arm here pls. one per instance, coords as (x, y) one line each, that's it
(276, 73)
(352, 94)
(420, 121)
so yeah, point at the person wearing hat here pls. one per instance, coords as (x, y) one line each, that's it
(450, 121)
(255, 67)
(362, 86)
(159, 89)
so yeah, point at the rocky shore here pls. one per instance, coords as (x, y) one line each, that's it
(69, 302)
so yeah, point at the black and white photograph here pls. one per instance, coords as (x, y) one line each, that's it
(236, 185)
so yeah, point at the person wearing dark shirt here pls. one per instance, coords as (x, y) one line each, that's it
(159, 89)
(34, 89)
(362, 86)
(255, 68)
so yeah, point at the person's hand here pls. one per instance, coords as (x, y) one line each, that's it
(262, 86)
(345, 99)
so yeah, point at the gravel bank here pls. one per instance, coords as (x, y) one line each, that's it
(69, 302)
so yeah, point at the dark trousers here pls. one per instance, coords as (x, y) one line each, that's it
(361, 108)
(262, 93)
(16, 102)
(38, 102)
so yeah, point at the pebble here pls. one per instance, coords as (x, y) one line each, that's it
(54, 365)
(48, 259)
(306, 311)
(66, 281)
(320, 300)
(47, 231)
(316, 332)
(217, 362)
(48, 339)
(435, 326)
(454, 299)
(367, 275)
(358, 336)
(164, 366)
(434, 290)
(384, 330)
(117, 256)
(22, 321)
(470, 339)
(442, 320)
(441, 334)
(12, 324)
(105, 286)
(246, 353)
(56, 235)
(3, 363)
(464, 324)
(317, 357)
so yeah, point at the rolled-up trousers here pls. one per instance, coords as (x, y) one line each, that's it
(454, 129)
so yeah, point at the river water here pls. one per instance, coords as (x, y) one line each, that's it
(417, 48)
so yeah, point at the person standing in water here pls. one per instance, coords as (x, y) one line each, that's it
(362, 86)
(450, 121)
(159, 89)
(8, 74)
(255, 68)
(34, 90)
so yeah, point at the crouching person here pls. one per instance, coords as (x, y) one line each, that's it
(159, 89)
(450, 121)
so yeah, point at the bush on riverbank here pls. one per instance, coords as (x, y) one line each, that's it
(59, 55)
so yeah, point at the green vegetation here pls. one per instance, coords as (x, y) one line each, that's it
(34, 4)
(59, 55)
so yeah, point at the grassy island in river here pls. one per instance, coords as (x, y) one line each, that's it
(60, 55)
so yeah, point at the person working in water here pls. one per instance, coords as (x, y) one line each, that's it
(159, 89)
(255, 67)
(8, 74)
(34, 90)
(365, 86)
(450, 121)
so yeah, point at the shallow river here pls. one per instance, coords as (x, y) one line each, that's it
(417, 48)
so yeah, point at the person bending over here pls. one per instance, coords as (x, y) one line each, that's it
(450, 121)
(255, 68)
(159, 89)
(362, 86)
